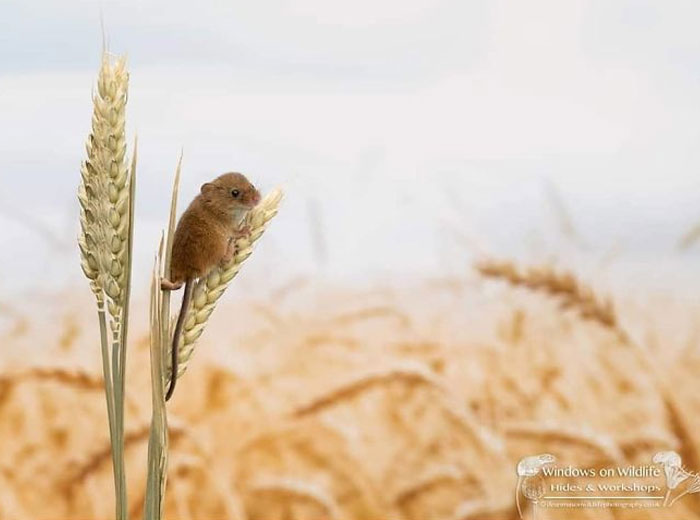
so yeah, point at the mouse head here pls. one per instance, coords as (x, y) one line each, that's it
(231, 193)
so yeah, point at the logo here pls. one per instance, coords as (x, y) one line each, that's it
(675, 476)
(660, 484)
(531, 483)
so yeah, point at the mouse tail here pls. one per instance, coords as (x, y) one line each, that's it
(189, 285)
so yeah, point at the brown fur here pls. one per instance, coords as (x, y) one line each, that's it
(205, 237)
(204, 232)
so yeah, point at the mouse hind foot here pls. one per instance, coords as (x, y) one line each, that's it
(167, 285)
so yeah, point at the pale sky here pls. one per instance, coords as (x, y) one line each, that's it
(408, 128)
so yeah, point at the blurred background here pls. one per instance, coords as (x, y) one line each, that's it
(411, 138)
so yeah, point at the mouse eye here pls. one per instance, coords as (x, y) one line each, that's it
(235, 193)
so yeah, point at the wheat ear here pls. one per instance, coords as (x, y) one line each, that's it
(106, 197)
(572, 293)
(104, 190)
(209, 289)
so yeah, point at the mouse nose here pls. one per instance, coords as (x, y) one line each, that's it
(256, 197)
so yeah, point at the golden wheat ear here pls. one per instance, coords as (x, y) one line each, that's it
(572, 293)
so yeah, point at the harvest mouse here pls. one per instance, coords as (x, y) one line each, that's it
(204, 238)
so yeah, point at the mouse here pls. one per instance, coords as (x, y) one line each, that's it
(205, 237)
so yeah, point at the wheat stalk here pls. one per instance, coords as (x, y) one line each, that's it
(158, 435)
(572, 293)
(210, 288)
(156, 478)
(106, 194)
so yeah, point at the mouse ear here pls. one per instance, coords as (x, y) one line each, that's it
(207, 187)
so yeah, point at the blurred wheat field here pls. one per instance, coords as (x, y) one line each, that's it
(318, 403)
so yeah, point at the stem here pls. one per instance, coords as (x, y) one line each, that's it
(158, 439)
(109, 395)
(118, 441)
(160, 337)
(119, 353)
